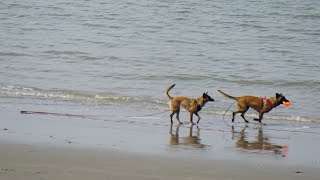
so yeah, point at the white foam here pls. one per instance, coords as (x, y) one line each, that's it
(67, 95)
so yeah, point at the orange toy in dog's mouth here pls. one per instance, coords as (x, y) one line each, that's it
(286, 103)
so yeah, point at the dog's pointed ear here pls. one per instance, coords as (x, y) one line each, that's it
(204, 95)
(278, 95)
(207, 93)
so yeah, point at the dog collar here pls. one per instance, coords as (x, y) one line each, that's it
(264, 102)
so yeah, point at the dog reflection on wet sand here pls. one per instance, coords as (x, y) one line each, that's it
(261, 143)
(190, 141)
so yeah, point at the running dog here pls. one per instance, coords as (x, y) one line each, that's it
(191, 105)
(261, 105)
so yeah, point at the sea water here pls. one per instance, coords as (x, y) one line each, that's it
(126, 53)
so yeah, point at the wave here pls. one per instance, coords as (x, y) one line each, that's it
(308, 16)
(279, 82)
(80, 96)
(57, 52)
(117, 100)
(270, 117)
(14, 54)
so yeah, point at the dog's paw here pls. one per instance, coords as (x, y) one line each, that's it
(255, 119)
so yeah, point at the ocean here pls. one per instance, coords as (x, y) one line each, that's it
(126, 53)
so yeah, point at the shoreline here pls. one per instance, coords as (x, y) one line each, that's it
(48, 144)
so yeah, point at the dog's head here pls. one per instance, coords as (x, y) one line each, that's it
(281, 99)
(206, 97)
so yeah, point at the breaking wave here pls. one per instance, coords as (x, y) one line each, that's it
(117, 100)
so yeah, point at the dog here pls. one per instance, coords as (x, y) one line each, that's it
(193, 106)
(261, 105)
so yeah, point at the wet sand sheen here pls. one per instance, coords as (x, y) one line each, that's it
(35, 163)
(123, 143)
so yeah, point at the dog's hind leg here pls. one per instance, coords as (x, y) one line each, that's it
(177, 116)
(233, 115)
(242, 115)
(171, 115)
(241, 109)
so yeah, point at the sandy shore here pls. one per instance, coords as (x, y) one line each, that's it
(39, 163)
(123, 143)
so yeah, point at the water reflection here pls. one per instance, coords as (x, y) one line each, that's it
(191, 141)
(259, 144)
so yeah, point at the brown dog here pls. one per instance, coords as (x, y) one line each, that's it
(191, 105)
(261, 105)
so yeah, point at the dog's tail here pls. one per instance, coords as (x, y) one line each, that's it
(168, 89)
(227, 95)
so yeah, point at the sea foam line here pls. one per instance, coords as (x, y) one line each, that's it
(111, 99)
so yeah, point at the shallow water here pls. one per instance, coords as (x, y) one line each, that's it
(131, 130)
(127, 53)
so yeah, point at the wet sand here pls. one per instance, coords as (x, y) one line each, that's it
(122, 143)
(38, 163)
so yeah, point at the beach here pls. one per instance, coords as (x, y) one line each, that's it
(37, 163)
(82, 89)
(128, 144)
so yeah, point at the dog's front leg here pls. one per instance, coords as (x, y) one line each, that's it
(191, 117)
(196, 113)
(260, 116)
